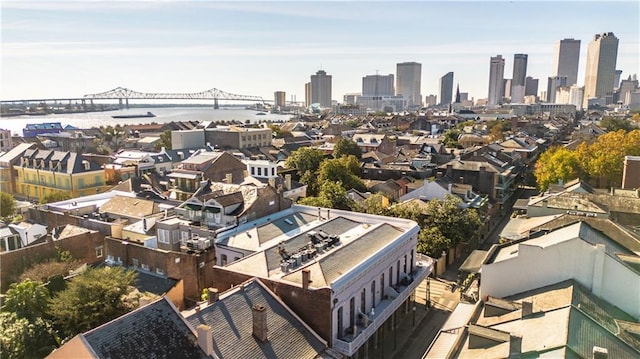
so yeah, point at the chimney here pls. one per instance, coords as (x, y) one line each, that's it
(228, 178)
(212, 295)
(600, 353)
(306, 278)
(287, 182)
(515, 346)
(461, 180)
(272, 182)
(450, 170)
(450, 187)
(527, 308)
(544, 203)
(260, 322)
(205, 338)
(144, 225)
(439, 174)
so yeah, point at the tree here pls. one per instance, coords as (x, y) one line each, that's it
(555, 164)
(20, 338)
(28, 299)
(7, 205)
(450, 138)
(279, 133)
(614, 124)
(92, 298)
(603, 160)
(332, 195)
(306, 161)
(165, 140)
(346, 147)
(432, 242)
(457, 224)
(344, 170)
(55, 196)
(376, 204)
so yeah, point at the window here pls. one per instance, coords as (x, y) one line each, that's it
(363, 300)
(176, 236)
(390, 276)
(340, 323)
(259, 171)
(135, 263)
(273, 171)
(145, 266)
(159, 271)
(223, 259)
(404, 269)
(412, 260)
(164, 236)
(253, 171)
(99, 252)
(382, 287)
(398, 272)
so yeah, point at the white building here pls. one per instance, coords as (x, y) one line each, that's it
(345, 273)
(496, 77)
(576, 252)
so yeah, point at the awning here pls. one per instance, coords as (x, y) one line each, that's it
(473, 263)
(521, 203)
(183, 175)
(193, 207)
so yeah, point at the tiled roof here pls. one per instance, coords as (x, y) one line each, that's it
(231, 321)
(129, 207)
(153, 331)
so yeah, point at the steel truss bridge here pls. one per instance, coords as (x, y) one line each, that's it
(124, 95)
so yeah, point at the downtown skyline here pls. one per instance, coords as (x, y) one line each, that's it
(70, 49)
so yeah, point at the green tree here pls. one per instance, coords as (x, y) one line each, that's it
(21, 338)
(344, 170)
(555, 164)
(92, 298)
(603, 160)
(332, 195)
(7, 205)
(615, 124)
(346, 147)
(376, 204)
(306, 160)
(165, 140)
(450, 138)
(55, 196)
(457, 224)
(28, 299)
(432, 242)
(279, 133)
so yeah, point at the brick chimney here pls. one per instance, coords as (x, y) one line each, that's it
(306, 278)
(212, 295)
(205, 338)
(259, 312)
(287, 182)
(600, 353)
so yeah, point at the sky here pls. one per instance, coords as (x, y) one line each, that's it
(69, 49)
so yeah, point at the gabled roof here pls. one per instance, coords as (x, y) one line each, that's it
(15, 153)
(153, 331)
(231, 321)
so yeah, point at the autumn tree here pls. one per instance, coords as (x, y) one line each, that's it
(557, 163)
(278, 132)
(346, 147)
(603, 160)
(92, 298)
(7, 205)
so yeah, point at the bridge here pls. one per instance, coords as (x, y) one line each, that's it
(124, 95)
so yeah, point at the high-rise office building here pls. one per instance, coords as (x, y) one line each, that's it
(519, 76)
(530, 86)
(552, 85)
(321, 89)
(307, 94)
(430, 100)
(567, 59)
(575, 96)
(446, 88)
(378, 85)
(408, 77)
(602, 55)
(496, 75)
(279, 99)
(506, 88)
(617, 78)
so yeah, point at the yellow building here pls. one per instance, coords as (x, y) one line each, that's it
(41, 172)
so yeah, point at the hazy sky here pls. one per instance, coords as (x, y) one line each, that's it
(69, 49)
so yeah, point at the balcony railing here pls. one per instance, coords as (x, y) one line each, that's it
(394, 297)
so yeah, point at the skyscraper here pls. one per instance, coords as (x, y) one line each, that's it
(552, 85)
(567, 59)
(446, 88)
(530, 86)
(321, 88)
(496, 75)
(279, 98)
(408, 76)
(602, 55)
(378, 85)
(518, 79)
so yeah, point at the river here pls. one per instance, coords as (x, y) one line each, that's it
(163, 115)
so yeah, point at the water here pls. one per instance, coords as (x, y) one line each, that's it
(163, 115)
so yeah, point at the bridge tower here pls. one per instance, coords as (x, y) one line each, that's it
(215, 104)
